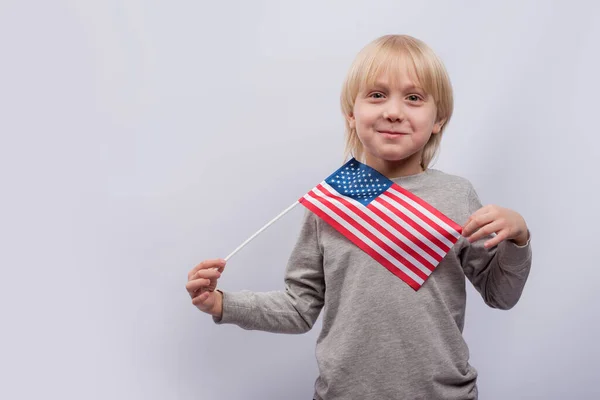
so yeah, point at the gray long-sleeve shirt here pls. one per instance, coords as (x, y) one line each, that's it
(381, 339)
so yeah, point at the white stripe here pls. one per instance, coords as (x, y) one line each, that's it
(362, 237)
(393, 230)
(409, 228)
(418, 220)
(425, 211)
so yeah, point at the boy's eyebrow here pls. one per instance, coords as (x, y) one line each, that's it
(411, 86)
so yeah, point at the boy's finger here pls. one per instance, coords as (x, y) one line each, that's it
(199, 300)
(207, 273)
(485, 231)
(206, 264)
(496, 240)
(193, 286)
(475, 222)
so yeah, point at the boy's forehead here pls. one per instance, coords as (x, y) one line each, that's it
(400, 78)
(397, 79)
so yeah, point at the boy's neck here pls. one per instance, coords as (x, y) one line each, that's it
(396, 169)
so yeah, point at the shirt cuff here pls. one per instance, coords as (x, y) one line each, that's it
(513, 255)
(235, 308)
(527, 243)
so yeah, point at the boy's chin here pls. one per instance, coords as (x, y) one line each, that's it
(394, 160)
(393, 157)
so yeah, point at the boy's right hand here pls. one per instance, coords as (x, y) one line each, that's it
(201, 285)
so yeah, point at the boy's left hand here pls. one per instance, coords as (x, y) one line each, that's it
(505, 223)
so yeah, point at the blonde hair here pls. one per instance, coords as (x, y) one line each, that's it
(388, 54)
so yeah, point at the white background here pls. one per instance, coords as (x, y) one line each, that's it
(141, 137)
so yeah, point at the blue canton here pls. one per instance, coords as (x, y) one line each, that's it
(358, 181)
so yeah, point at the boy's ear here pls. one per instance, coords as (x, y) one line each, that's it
(437, 127)
(351, 121)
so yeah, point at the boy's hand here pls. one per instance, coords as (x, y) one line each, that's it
(505, 223)
(201, 285)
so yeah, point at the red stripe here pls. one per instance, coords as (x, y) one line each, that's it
(368, 234)
(404, 231)
(381, 229)
(422, 217)
(427, 206)
(362, 245)
(415, 225)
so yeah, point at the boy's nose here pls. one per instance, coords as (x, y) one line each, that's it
(393, 112)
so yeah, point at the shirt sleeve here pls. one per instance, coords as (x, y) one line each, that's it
(499, 274)
(293, 310)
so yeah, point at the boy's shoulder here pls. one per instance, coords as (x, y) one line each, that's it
(449, 193)
(442, 178)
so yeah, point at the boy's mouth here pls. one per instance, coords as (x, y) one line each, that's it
(391, 133)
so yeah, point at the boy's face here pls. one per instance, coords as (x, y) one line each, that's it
(394, 119)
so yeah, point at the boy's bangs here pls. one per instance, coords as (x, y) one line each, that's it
(386, 63)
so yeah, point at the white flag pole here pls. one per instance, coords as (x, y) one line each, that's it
(261, 229)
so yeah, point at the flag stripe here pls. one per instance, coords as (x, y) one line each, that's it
(418, 217)
(422, 239)
(371, 233)
(362, 241)
(400, 237)
(452, 225)
(452, 228)
(433, 237)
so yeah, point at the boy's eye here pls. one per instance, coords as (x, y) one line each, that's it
(414, 97)
(376, 95)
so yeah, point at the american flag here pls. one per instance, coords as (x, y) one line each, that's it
(398, 229)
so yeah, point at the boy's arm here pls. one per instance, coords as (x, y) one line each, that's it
(293, 310)
(499, 274)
